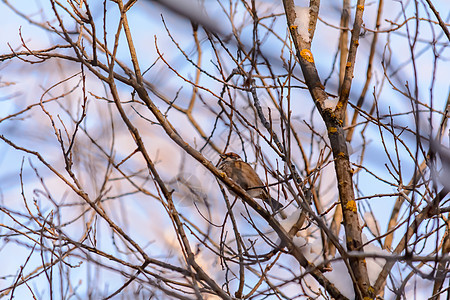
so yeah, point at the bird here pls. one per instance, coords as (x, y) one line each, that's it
(243, 174)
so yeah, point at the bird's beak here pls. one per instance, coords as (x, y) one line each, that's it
(222, 156)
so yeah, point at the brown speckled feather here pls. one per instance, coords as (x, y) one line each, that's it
(244, 175)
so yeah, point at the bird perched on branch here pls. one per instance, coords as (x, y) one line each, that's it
(244, 175)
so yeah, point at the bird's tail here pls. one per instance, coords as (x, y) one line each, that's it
(276, 207)
(274, 204)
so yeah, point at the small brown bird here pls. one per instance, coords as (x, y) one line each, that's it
(244, 175)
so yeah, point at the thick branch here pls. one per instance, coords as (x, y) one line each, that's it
(334, 122)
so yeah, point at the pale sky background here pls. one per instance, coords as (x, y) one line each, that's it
(145, 22)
